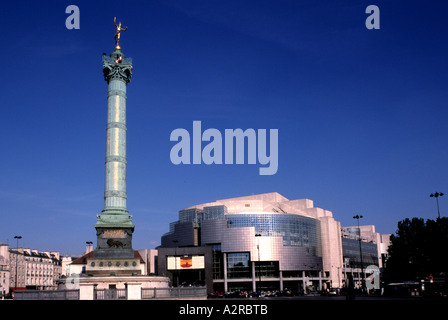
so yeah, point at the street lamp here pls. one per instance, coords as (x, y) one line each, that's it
(357, 217)
(346, 262)
(259, 265)
(17, 254)
(175, 262)
(437, 195)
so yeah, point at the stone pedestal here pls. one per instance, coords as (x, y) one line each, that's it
(134, 291)
(113, 267)
(114, 243)
(86, 291)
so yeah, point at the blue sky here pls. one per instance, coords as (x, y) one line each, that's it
(361, 114)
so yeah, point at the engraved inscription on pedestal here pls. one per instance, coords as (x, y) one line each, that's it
(113, 233)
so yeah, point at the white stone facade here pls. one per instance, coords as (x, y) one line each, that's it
(4, 270)
(34, 269)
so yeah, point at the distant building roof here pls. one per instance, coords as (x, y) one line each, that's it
(83, 259)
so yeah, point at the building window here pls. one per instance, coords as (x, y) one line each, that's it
(295, 230)
(217, 262)
(268, 269)
(238, 265)
(350, 250)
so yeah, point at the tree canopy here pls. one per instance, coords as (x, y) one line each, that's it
(418, 250)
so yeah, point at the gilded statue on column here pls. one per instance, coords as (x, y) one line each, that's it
(118, 32)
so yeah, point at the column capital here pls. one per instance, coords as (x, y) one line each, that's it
(117, 67)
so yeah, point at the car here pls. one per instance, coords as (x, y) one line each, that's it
(323, 292)
(333, 292)
(254, 295)
(286, 293)
(298, 293)
(215, 295)
(313, 293)
(236, 294)
(272, 294)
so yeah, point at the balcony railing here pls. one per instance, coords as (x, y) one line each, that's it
(170, 293)
(110, 294)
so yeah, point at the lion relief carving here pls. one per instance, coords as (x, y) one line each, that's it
(115, 243)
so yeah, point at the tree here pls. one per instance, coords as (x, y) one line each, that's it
(418, 249)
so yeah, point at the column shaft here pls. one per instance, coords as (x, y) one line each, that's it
(115, 185)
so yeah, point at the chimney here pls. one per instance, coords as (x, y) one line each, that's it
(89, 248)
(55, 254)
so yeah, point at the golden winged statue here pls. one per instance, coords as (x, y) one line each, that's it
(117, 33)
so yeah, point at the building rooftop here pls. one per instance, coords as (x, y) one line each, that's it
(89, 255)
(271, 202)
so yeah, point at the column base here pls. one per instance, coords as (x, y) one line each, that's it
(113, 267)
(114, 218)
(114, 229)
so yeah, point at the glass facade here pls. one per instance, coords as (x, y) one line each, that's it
(283, 230)
(190, 215)
(268, 269)
(238, 265)
(295, 230)
(350, 250)
(218, 269)
(215, 212)
(196, 216)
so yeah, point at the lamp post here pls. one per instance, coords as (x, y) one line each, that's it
(17, 254)
(357, 217)
(259, 266)
(346, 262)
(175, 262)
(437, 195)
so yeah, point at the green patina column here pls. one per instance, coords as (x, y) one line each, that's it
(117, 72)
(114, 225)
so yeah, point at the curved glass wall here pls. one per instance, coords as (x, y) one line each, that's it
(294, 229)
(196, 216)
